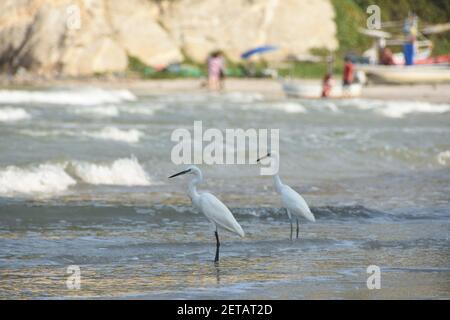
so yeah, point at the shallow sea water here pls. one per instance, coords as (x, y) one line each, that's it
(83, 181)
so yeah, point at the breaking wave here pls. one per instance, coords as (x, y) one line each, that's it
(146, 110)
(115, 134)
(98, 111)
(125, 172)
(42, 133)
(241, 97)
(112, 111)
(51, 178)
(398, 109)
(43, 178)
(443, 158)
(87, 96)
(287, 107)
(107, 133)
(13, 114)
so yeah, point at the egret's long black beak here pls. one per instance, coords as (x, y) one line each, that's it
(259, 159)
(179, 173)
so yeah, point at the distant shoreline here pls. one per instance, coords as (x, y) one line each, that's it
(438, 93)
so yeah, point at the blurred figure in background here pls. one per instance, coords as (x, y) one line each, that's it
(328, 80)
(386, 57)
(327, 85)
(410, 32)
(216, 71)
(348, 72)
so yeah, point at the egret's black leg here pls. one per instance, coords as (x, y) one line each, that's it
(291, 228)
(297, 228)
(216, 259)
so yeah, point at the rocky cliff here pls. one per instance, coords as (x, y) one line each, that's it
(84, 37)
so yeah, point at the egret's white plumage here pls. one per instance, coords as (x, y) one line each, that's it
(294, 203)
(216, 212)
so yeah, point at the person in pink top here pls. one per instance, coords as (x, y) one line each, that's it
(216, 71)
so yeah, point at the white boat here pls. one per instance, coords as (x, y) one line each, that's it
(426, 69)
(406, 74)
(314, 90)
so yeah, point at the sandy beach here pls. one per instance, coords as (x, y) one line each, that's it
(437, 93)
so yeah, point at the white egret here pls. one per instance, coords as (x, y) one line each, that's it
(216, 212)
(294, 203)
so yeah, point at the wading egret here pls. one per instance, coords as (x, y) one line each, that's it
(210, 206)
(294, 203)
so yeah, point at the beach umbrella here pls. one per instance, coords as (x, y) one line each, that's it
(258, 50)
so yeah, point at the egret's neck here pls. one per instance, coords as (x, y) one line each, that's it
(277, 182)
(276, 178)
(192, 188)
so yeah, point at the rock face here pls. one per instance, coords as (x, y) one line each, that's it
(137, 30)
(84, 37)
(234, 26)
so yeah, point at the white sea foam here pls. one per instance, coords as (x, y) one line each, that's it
(147, 110)
(97, 111)
(328, 105)
(443, 158)
(125, 171)
(44, 133)
(42, 179)
(244, 97)
(289, 107)
(53, 178)
(398, 109)
(107, 133)
(87, 96)
(115, 111)
(9, 114)
(116, 134)
(183, 97)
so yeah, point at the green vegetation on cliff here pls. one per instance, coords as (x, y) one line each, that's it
(351, 14)
(349, 17)
(429, 12)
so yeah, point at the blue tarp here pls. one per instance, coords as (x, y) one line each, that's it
(257, 50)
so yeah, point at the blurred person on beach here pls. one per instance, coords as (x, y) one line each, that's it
(327, 85)
(410, 31)
(216, 71)
(348, 72)
(387, 57)
(328, 81)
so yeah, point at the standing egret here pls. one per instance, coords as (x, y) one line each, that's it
(293, 202)
(211, 207)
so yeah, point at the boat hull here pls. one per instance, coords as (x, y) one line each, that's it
(314, 91)
(406, 74)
